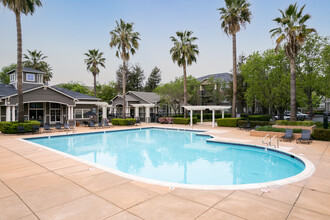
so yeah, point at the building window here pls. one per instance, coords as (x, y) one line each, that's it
(37, 105)
(55, 115)
(79, 113)
(30, 77)
(55, 105)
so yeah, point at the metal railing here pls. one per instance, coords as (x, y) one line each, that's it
(269, 143)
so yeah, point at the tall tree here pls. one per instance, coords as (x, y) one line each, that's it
(293, 31)
(126, 40)
(93, 61)
(36, 60)
(153, 80)
(136, 78)
(18, 7)
(184, 53)
(233, 16)
(4, 77)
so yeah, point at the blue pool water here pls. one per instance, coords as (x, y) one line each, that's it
(177, 156)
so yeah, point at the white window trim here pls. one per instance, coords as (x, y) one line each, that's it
(82, 113)
(30, 74)
(50, 113)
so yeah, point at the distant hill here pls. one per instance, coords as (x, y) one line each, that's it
(227, 77)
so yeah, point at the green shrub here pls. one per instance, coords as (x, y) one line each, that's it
(270, 128)
(295, 123)
(321, 134)
(228, 122)
(10, 127)
(184, 120)
(253, 124)
(259, 117)
(122, 122)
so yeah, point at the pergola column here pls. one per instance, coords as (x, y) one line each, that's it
(137, 114)
(213, 118)
(191, 117)
(201, 116)
(13, 113)
(68, 113)
(72, 115)
(147, 114)
(7, 113)
(223, 113)
(104, 112)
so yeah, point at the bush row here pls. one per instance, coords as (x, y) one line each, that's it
(270, 128)
(184, 120)
(259, 117)
(253, 124)
(120, 121)
(321, 134)
(228, 122)
(295, 123)
(11, 127)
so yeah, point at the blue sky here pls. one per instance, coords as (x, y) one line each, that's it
(64, 30)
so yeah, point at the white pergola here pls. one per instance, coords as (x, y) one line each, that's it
(201, 108)
(146, 106)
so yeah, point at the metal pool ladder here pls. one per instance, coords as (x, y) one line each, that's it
(269, 143)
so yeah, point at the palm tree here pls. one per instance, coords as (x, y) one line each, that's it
(294, 32)
(93, 60)
(235, 15)
(35, 59)
(26, 7)
(126, 40)
(184, 53)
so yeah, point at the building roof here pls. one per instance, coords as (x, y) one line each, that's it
(9, 89)
(149, 97)
(227, 77)
(73, 94)
(27, 70)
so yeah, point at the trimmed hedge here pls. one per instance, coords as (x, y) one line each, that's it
(122, 122)
(228, 122)
(270, 128)
(253, 124)
(10, 127)
(184, 120)
(259, 117)
(295, 123)
(321, 134)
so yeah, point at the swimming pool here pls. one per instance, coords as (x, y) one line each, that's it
(177, 157)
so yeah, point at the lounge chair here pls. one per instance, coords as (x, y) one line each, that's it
(92, 125)
(66, 127)
(35, 129)
(305, 137)
(47, 128)
(58, 127)
(100, 125)
(137, 122)
(21, 130)
(288, 136)
(106, 124)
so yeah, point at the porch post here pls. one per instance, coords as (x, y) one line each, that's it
(71, 112)
(191, 117)
(137, 113)
(147, 114)
(223, 113)
(213, 119)
(201, 116)
(68, 112)
(13, 113)
(7, 113)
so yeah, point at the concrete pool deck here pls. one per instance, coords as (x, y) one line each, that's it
(39, 184)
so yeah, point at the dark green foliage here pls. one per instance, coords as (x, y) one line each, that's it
(184, 120)
(121, 122)
(228, 122)
(10, 127)
(134, 78)
(295, 123)
(4, 77)
(253, 124)
(259, 117)
(153, 80)
(270, 128)
(321, 134)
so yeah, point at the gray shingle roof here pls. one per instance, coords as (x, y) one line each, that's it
(227, 77)
(8, 90)
(150, 97)
(75, 95)
(27, 70)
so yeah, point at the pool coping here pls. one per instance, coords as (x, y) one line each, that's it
(306, 173)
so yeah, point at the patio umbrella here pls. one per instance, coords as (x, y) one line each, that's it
(90, 113)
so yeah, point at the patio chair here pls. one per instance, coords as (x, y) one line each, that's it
(288, 136)
(47, 128)
(58, 127)
(305, 137)
(35, 129)
(92, 125)
(67, 127)
(248, 126)
(106, 124)
(100, 125)
(137, 122)
(20, 130)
